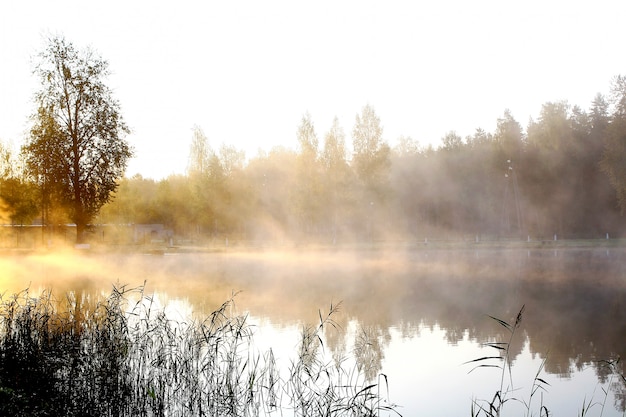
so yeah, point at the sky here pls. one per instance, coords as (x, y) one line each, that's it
(247, 71)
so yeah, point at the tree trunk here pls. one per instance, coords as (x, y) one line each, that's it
(80, 232)
(81, 221)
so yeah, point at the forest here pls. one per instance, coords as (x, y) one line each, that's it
(563, 175)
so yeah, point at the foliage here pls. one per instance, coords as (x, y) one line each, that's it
(76, 150)
(20, 200)
(123, 356)
(18, 196)
(336, 182)
(563, 176)
(306, 193)
(615, 149)
(505, 184)
(371, 155)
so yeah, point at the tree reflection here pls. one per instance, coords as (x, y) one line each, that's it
(575, 298)
(369, 344)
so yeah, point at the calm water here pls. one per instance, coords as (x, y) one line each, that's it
(416, 316)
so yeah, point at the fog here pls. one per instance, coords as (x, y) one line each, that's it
(404, 239)
(574, 297)
(558, 177)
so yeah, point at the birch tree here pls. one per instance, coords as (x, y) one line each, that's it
(76, 150)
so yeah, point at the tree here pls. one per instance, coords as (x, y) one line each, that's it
(306, 195)
(480, 138)
(371, 154)
(207, 181)
(406, 146)
(509, 137)
(135, 202)
(76, 149)
(552, 131)
(307, 138)
(18, 200)
(452, 142)
(232, 159)
(335, 178)
(612, 162)
(547, 168)
(199, 154)
(599, 117)
(590, 189)
(372, 163)
(271, 181)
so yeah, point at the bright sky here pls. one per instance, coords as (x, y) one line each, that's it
(246, 71)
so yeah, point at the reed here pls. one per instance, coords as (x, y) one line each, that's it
(121, 355)
(318, 388)
(508, 393)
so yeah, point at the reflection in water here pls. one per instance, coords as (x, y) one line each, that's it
(369, 343)
(575, 299)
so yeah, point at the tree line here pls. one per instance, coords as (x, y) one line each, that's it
(563, 175)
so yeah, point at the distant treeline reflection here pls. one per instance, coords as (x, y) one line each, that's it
(575, 298)
(86, 355)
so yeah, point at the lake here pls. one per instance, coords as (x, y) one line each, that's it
(417, 316)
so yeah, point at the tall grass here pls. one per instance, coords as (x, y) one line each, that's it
(507, 392)
(122, 355)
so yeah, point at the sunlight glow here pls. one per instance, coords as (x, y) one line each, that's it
(246, 72)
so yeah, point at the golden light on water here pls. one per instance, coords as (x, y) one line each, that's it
(424, 311)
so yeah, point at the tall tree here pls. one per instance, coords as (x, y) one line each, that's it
(549, 172)
(306, 196)
(371, 153)
(207, 181)
(553, 129)
(451, 142)
(406, 146)
(200, 153)
(272, 180)
(336, 178)
(598, 201)
(76, 148)
(509, 136)
(372, 164)
(614, 157)
(599, 117)
(590, 189)
(232, 159)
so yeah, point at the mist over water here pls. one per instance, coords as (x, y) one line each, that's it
(415, 306)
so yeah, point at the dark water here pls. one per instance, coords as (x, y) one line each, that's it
(416, 316)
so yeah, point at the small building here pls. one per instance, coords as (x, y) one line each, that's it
(151, 233)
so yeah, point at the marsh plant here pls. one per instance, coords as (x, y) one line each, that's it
(533, 404)
(503, 361)
(122, 355)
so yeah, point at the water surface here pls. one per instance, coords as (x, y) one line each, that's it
(416, 316)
